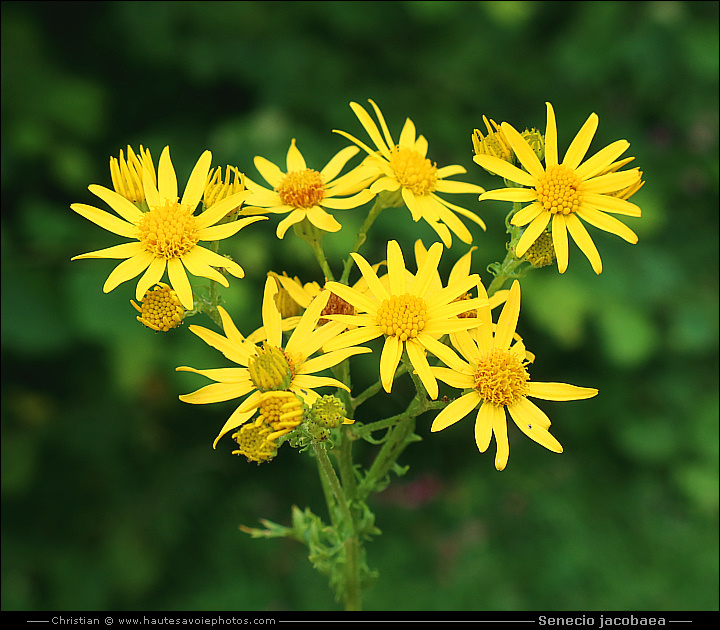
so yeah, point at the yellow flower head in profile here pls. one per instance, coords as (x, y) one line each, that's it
(127, 173)
(217, 187)
(167, 235)
(494, 372)
(565, 192)
(408, 313)
(405, 167)
(304, 193)
(494, 143)
(269, 367)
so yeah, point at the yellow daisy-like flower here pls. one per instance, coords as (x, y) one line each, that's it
(167, 235)
(407, 312)
(565, 192)
(304, 193)
(269, 367)
(405, 167)
(495, 373)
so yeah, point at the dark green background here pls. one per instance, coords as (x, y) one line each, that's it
(111, 495)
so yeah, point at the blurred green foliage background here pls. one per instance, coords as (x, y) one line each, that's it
(112, 497)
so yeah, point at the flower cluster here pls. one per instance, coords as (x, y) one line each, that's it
(290, 378)
(438, 333)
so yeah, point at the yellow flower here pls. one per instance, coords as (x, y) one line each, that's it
(494, 143)
(167, 235)
(304, 192)
(255, 442)
(127, 174)
(160, 309)
(217, 188)
(269, 367)
(565, 192)
(495, 373)
(407, 312)
(405, 167)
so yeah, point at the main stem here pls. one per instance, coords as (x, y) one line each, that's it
(352, 542)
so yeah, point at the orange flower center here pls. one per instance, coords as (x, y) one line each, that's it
(560, 191)
(402, 316)
(168, 231)
(413, 171)
(501, 377)
(302, 189)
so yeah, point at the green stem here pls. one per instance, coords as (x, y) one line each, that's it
(508, 268)
(313, 236)
(373, 389)
(382, 201)
(352, 541)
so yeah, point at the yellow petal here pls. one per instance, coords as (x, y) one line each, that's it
(270, 172)
(359, 300)
(383, 125)
(608, 224)
(127, 270)
(106, 220)
(125, 208)
(180, 283)
(353, 338)
(527, 214)
(534, 431)
(484, 426)
(606, 203)
(407, 135)
(416, 354)
(323, 220)
(559, 391)
(427, 271)
(508, 318)
(238, 417)
(611, 182)
(126, 250)
(296, 216)
(153, 274)
(220, 209)
(504, 169)
(453, 378)
(336, 164)
(524, 153)
(231, 331)
(501, 440)
(167, 181)
(581, 143)
(560, 242)
(537, 226)
(272, 320)
(584, 242)
(601, 160)
(372, 130)
(389, 359)
(295, 161)
(196, 183)
(551, 148)
(455, 411)
(195, 264)
(217, 392)
(374, 284)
